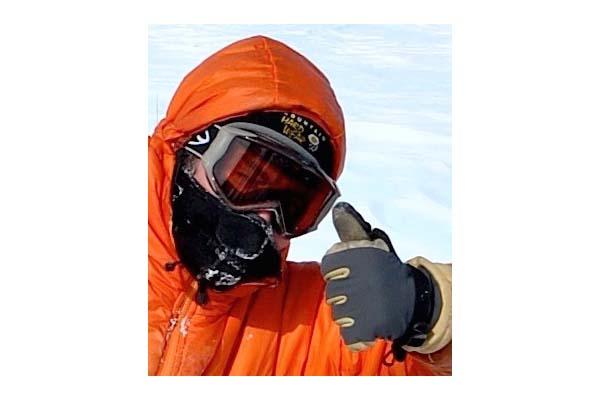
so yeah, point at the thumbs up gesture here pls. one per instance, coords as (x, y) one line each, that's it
(373, 294)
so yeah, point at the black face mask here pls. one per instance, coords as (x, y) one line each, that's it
(219, 246)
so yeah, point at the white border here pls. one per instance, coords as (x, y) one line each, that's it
(525, 199)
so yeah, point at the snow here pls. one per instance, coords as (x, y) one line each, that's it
(394, 85)
(183, 326)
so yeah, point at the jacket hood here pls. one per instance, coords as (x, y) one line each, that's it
(254, 74)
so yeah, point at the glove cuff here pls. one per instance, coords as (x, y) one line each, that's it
(425, 314)
(441, 332)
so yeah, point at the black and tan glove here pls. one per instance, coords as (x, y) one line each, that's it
(374, 294)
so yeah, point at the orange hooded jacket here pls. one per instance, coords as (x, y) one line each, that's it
(270, 327)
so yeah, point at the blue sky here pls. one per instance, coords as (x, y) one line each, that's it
(394, 85)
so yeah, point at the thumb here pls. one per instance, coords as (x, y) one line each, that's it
(349, 224)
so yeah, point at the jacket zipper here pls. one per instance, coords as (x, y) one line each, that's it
(173, 336)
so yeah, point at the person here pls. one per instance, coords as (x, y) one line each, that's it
(246, 158)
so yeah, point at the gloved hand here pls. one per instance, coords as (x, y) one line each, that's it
(374, 294)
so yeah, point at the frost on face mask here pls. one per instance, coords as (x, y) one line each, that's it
(220, 278)
(227, 280)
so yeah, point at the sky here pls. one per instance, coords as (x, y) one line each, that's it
(393, 83)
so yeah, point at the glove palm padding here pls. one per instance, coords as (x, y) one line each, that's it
(375, 298)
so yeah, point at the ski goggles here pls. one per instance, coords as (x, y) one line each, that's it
(252, 167)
